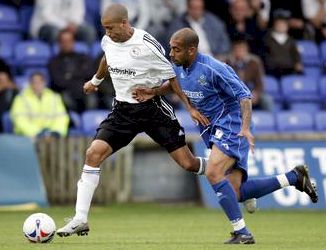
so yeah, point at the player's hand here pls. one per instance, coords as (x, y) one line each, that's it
(142, 94)
(250, 138)
(198, 117)
(89, 88)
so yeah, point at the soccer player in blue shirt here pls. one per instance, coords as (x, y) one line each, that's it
(217, 92)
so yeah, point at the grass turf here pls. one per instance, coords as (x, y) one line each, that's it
(152, 226)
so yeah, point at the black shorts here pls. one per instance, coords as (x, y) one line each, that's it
(155, 117)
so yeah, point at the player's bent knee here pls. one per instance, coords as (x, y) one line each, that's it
(191, 166)
(214, 174)
(93, 156)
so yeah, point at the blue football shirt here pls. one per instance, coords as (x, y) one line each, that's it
(216, 91)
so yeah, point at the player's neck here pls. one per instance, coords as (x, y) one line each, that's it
(190, 61)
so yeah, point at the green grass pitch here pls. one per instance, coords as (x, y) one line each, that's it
(153, 226)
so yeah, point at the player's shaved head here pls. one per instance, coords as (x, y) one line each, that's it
(187, 37)
(116, 13)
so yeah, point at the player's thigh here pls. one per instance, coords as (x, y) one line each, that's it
(166, 131)
(218, 164)
(117, 130)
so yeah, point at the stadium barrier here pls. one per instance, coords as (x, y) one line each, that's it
(61, 161)
(21, 183)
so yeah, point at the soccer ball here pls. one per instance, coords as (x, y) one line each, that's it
(39, 228)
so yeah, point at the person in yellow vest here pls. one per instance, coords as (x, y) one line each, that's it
(38, 111)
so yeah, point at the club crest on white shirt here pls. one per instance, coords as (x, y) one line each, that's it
(135, 52)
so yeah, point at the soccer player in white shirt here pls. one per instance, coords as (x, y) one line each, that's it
(134, 59)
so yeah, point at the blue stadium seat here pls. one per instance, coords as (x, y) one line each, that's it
(322, 87)
(11, 38)
(9, 19)
(320, 119)
(312, 71)
(32, 53)
(6, 52)
(294, 121)
(91, 119)
(323, 52)
(186, 122)
(309, 52)
(272, 87)
(96, 49)
(300, 88)
(80, 47)
(21, 81)
(264, 122)
(7, 123)
(311, 107)
(92, 14)
(77, 128)
(25, 14)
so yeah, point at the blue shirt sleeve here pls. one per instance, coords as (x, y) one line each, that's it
(226, 79)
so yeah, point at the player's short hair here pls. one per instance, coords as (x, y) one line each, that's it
(117, 11)
(188, 36)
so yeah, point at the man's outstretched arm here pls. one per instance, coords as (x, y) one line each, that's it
(92, 85)
(143, 94)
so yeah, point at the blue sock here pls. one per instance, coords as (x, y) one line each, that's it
(229, 203)
(292, 177)
(259, 187)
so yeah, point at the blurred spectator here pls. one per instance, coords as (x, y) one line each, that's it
(218, 8)
(69, 70)
(8, 90)
(38, 111)
(315, 12)
(250, 70)
(259, 10)
(50, 17)
(241, 24)
(4, 67)
(213, 38)
(296, 20)
(281, 54)
(160, 20)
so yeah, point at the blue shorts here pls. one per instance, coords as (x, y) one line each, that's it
(224, 134)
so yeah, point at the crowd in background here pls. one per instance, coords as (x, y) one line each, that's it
(255, 37)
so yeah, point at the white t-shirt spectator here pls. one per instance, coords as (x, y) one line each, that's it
(310, 8)
(58, 13)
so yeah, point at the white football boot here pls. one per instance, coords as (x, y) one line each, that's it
(73, 227)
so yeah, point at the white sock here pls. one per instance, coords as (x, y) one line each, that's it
(202, 166)
(85, 190)
(284, 182)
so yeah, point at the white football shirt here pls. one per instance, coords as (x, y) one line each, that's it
(138, 62)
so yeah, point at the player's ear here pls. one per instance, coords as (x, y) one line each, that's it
(192, 50)
(124, 22)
